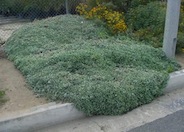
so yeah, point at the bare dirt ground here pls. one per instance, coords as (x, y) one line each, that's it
(19, 96)
(17, 92)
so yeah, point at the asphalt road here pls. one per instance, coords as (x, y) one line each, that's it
(170, 123)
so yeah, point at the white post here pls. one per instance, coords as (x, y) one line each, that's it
(171, 27)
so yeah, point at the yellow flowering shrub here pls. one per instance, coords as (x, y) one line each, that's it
(113, 19)
(82, 9)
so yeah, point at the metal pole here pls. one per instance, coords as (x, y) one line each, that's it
(66, 6)
(171, 27)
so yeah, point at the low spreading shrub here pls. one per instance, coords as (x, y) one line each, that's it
(70, 59)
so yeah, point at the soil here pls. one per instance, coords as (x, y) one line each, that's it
(18, 94)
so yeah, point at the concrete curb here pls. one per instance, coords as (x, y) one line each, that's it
(176, 81)
(42, 117)
(52, 114)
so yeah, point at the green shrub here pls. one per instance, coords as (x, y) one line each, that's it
(136, 3)
(180, 41)
(147, 22)
(11, 7)
(42, 4)
(120, 5)
(65, 59)
(36, 7)
(151, 15)
(45, 5)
